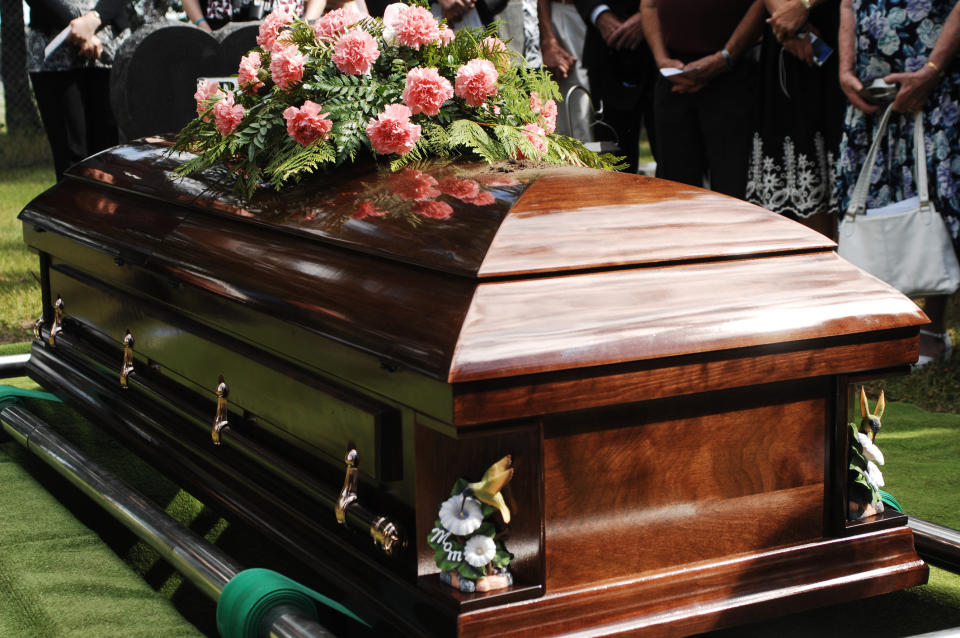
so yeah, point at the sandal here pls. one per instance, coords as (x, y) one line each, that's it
(943, 337)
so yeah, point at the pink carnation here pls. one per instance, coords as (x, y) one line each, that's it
(227, 115)
(307, 123)
(476, 81)
(335, 23)
(206, 90)
(497, 180)
(409, 26)
(537, 137)
(433, 209)
(446, 35)
(249, 74)
(426, 90)
(482, 198)
(392, 131)
(368, 209)
(286, 66)
(548, 116)
(494, 44)
(355, 51)
(270, 28)
(460, 188)
(413, 184)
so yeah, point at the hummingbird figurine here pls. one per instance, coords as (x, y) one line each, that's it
(487, 489)
(870, 423)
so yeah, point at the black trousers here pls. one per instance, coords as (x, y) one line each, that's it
(708, 133)
(75, 109)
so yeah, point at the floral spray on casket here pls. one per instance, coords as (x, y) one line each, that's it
(404, 87)
(465, 540)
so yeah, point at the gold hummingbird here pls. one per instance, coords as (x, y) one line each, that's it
(487, 489)
(870, 423)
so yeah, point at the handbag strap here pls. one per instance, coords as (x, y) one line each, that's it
(858, 201)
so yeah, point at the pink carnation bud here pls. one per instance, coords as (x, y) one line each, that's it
(355, 52)
(476, 81)
(535, 103)
(460, 188)
(270, 28)
(433, 209)
(286, 66)
(307, 123)
(410, 26)
(537, 137)
(249, 73)
(548, 116)
(426, 90)
(413, 184)
(335, 23)
(206, 89)
(447, 35)
(227, 115)
(368, 209)
(494, 44)
(392, 131)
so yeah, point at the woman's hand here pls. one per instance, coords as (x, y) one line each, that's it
(915, 88)
(556, 58)
(851, 86)
(454, 10)
(788, 19)
(800, 48)
(699, 73)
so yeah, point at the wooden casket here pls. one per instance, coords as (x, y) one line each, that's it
(671, 371)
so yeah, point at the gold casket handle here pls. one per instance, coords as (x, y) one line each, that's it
(384, 532)
(220, 419)
(57, 326)
(127, 366)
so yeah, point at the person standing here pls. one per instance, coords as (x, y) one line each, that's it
(562, 35)
(912, 44)
(793, 157)
(705, 110)
(621, 71)
(72, 83)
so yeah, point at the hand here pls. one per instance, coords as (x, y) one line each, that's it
(82, 29)
(92, 48)
(788, 19)
(608, 24)
(915, 88)
(699, 73)
(800, 48)
(556, 58)
(454, 10)
(629, 35)
(851, 86)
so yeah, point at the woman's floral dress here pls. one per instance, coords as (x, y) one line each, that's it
(894, 36)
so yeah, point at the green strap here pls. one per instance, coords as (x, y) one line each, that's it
(249, 595)
(888, 499)
(9, 393)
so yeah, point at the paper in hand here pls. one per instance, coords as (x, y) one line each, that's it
(59, 39)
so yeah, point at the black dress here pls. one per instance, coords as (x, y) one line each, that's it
(794, 150)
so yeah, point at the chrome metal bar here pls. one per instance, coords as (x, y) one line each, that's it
(198, 560)
(936, 544)
(13, 365)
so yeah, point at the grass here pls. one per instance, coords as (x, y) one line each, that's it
(19, 290)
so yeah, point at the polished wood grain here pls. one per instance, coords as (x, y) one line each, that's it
(530, 326)
(570, 219)
(710, 595)
(634, 489)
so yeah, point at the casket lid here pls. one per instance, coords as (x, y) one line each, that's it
(478, 220)
(477, 272)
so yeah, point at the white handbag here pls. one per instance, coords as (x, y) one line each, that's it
(906, 244)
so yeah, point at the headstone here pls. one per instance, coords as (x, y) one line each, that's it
(155, 75)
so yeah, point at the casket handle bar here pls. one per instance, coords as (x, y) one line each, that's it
(221, 418)
(384, 532)
(57, 326)
(127, 366)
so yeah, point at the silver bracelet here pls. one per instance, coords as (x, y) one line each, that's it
(727, 58)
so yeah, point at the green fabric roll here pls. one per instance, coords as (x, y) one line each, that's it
(252, 593)
(888, 499)
(9, 393)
